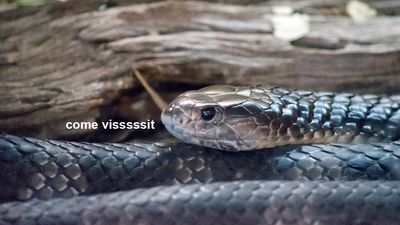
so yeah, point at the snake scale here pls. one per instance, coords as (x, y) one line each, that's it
(326, 158)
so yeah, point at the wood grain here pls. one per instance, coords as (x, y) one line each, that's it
(59, 64)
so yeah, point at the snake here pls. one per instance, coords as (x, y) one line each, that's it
(248, 155)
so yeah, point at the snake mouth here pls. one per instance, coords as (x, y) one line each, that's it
(193, 138)
(166, 119)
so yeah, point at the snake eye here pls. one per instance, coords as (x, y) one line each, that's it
(208, 113)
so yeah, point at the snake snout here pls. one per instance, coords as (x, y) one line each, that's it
(166, 117)
(176, 118)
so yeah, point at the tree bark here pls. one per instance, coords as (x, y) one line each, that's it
(58, 65)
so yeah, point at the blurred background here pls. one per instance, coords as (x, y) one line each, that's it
(72, 60)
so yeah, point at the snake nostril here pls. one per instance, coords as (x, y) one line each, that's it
(181, 121)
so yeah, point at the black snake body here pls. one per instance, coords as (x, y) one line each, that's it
(293, 184)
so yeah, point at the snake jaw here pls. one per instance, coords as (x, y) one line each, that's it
(175, 119)
(183, 119)
(227, 130)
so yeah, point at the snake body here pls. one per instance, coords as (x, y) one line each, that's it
(188, 184)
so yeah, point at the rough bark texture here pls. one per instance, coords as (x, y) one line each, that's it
(62, 62)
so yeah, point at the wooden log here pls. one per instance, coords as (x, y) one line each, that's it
(77, 66)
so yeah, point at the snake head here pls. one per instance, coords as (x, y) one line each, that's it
(221, 116)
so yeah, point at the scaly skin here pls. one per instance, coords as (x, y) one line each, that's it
(241, 203)
(113, 167)
(259, 117)
(319, 184)
(34, 168)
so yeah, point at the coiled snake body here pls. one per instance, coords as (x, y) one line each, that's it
(285, 183)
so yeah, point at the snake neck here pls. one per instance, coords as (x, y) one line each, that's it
(300, 117)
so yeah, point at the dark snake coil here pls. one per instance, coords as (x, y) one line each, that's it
(293, 184)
